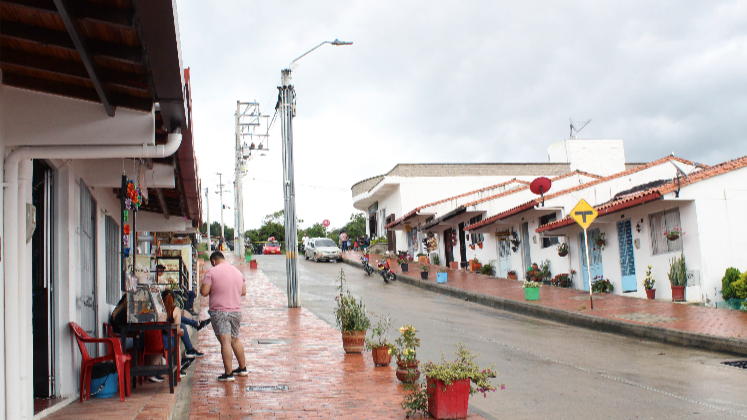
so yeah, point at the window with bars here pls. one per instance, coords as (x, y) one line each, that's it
(658, 225)
(548, 242)
(113, 273)
(476, 237)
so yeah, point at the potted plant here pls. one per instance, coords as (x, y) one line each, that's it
(544, 272)
(441, 276)
(601, 285)
(674, 233)
(678, 277)
(422, 258)
(515, 242)
(531, 290)
(648, 284)
(381, 348)
(474, 264)
(601, 241)
(488, 269)
(449, 386)
(563, 249)
(351, 319)
(436, 259)
(511, 275)
(424, 270)
(406, 348)
(454, 265)
(403, 259)
(561, 280)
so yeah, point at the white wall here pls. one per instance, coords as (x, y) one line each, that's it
(600, 157)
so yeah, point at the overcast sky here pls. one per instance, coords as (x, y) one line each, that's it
(459, 81)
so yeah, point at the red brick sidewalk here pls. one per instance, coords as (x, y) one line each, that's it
(323, 381)
(680, 317)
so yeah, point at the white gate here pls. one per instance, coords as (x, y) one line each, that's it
(88, 302)
(504, 257)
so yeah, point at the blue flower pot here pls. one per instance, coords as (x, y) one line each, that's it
(111, 386)
(441, 277)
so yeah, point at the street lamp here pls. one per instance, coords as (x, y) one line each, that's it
(287, 107)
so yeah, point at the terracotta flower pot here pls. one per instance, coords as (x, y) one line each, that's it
(423, 259)
(381, 356)
(454, 265)
(353, 341)
(678, 293)
(651, 294)
(408, 372)
(473, 266)
(511, 276)
(448, 402)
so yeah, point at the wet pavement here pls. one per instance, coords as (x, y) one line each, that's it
(307, 375)
(551, 370)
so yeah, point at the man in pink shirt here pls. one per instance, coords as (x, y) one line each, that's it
(225, 285)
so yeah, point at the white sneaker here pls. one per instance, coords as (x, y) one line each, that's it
(155, 379)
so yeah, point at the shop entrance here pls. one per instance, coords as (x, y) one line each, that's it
(372, 226)
(448, 246)
(42, 278)
(88, 304)
(391, 236)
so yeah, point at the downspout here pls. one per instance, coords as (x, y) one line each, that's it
(13, 208)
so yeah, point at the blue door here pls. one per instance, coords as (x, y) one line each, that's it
(595, 254)
(627, 260)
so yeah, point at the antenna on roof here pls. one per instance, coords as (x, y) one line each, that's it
(578, 126)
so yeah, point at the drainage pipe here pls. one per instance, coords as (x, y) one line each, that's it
(15, 238)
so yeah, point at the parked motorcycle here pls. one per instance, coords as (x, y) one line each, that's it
(386, 272)
(366, 266)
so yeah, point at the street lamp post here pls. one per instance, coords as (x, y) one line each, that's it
(286, 106)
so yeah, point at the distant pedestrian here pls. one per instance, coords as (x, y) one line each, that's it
(305, 241)
(225, 285)
(344, 241)
(355, 246)
(350, 244)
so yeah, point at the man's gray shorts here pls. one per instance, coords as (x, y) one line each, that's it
(225, 322)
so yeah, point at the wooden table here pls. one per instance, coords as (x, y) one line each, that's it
(151, 370)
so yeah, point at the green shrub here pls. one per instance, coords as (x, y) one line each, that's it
(727, 283)
(740, 287)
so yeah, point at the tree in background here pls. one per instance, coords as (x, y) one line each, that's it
(215, 230)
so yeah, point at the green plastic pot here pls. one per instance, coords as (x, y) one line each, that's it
(248, 257)
(532, 293)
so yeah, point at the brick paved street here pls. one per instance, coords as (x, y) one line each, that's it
(682, 317)
(323, 381)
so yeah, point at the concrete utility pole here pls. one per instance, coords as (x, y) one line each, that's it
(247, 119)
(220, 191)
(286, 106)
(207, 204)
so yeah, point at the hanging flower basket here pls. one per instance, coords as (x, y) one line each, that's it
(672, 236)
(674, 233)
(472, 247)
(480, 245)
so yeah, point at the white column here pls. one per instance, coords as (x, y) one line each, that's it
(12, 368)
(25, 287)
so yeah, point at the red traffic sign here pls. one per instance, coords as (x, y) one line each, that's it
(325, 223)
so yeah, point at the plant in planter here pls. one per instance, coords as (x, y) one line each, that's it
(561, 280)
(488, 269)
(406, 348)
(544, 272)
(450, 384)
(511, 275)
(436, 260)
(474, 264)
(515, 242)
(601, 285)
(442, 276)
(424, 270)
(678, 277)
(531, 290)
(674, 233)
(403, 259)
(351, 318)
(381, 348)
(601, 241)
(563, 249)
(648, 284)
(731, 276)
(422, 258)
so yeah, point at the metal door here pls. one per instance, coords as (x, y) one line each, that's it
(462, 247)
(87, 302)
(504, 257)
(525, 254)
(627, 260)
(448, 246)
(595, 255)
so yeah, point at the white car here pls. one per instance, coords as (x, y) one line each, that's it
(322, 249)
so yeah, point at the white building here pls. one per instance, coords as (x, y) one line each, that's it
(75, 116)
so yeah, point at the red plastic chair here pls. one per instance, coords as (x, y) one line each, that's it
(154, 346)
(110, 332)
(115, 354)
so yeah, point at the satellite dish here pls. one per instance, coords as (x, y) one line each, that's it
(540, 186)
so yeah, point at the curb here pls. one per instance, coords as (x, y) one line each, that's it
(664, 335)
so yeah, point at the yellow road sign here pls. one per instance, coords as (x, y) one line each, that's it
(583, 214)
